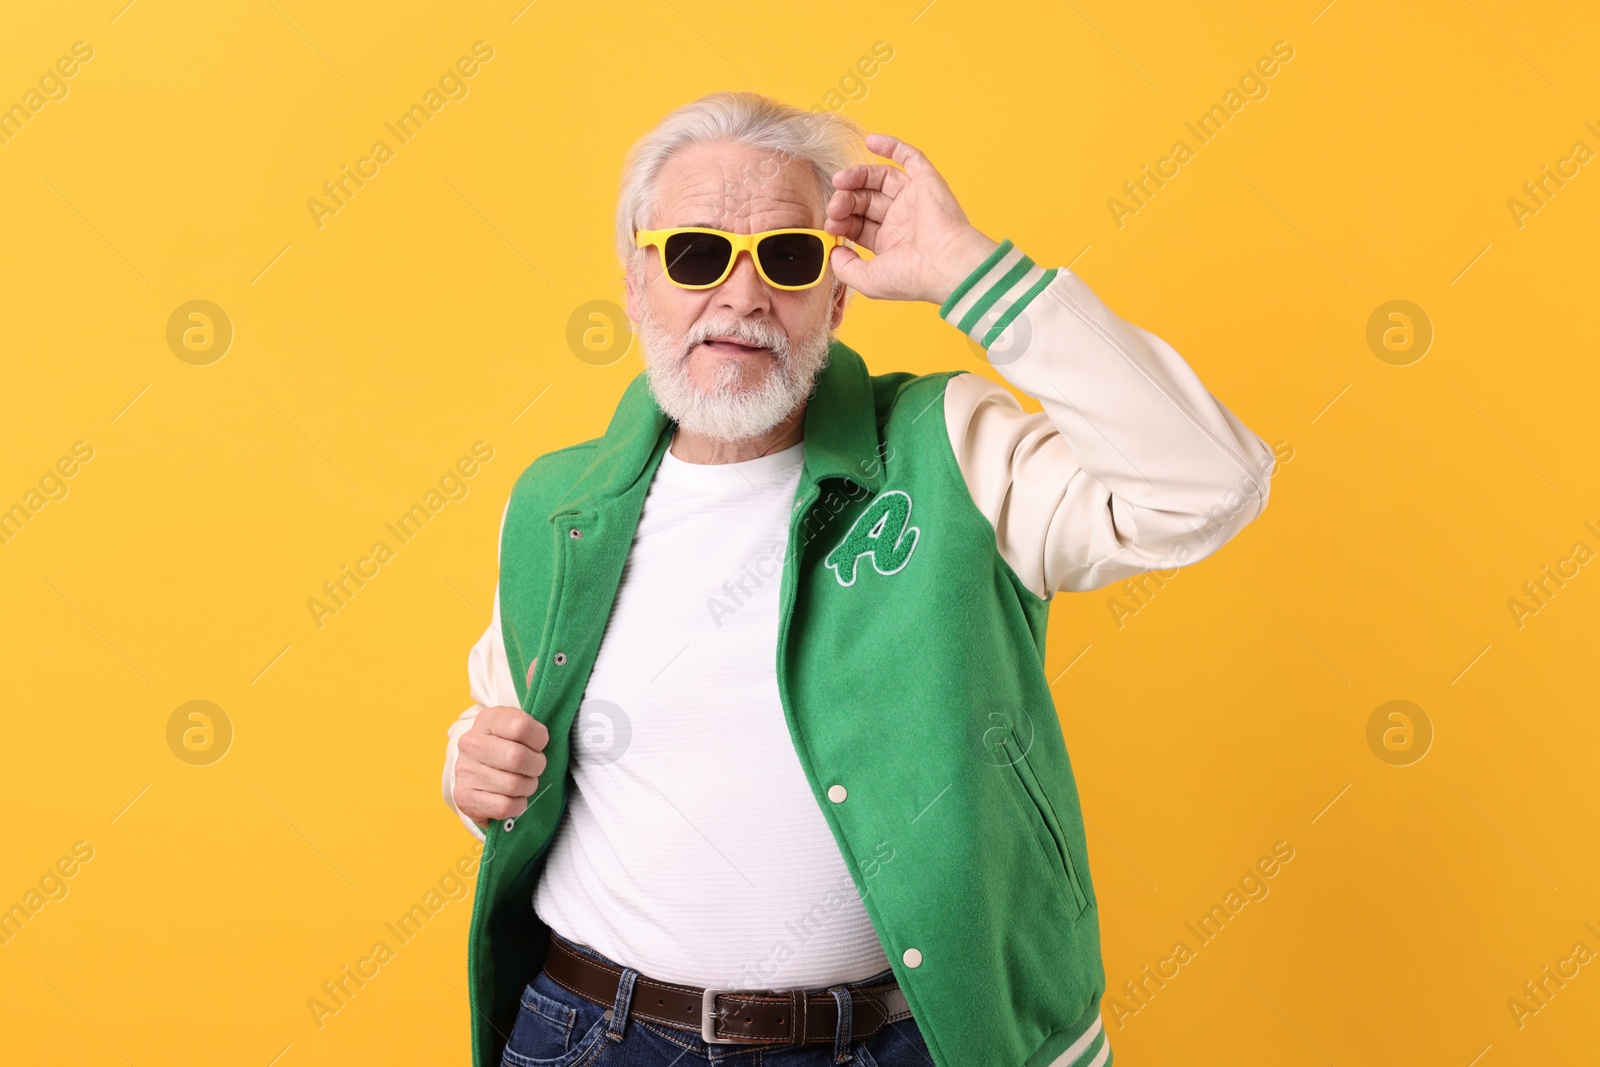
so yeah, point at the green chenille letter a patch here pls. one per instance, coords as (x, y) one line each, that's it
(883, 531)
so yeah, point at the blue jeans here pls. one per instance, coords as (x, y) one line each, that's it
(556, 1028)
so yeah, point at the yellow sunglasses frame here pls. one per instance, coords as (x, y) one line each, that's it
(742, 242)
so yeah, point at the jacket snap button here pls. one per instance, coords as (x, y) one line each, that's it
(912, 957)
(575, 532)
(836, 794)
(560, 658)
(509, 824)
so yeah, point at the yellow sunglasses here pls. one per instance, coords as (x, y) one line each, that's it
(693, 257)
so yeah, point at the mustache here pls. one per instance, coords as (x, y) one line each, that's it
(756, 334)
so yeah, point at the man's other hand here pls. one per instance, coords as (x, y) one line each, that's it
(499, 765)
(922, 244)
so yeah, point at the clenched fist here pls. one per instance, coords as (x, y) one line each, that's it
(499, 765)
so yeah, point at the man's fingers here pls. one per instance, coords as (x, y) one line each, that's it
(502, 754)
(481, 776)
(477, 804)
(851, 226)
(851, 269)
(907, 155)
(865, 202)
(861, 230)
(514, 724)
(871, 176)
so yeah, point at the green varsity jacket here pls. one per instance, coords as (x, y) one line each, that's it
(910, 666)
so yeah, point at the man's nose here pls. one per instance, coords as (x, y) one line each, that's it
(743, 292)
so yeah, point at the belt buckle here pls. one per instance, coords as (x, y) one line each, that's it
(708, 1018)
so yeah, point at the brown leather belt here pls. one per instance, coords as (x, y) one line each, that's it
(724, 1016)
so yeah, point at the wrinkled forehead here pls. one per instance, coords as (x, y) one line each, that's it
(738, 188)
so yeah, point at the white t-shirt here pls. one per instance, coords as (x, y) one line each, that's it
(692, 848)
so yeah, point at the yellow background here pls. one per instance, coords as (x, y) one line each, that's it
(1228, 714)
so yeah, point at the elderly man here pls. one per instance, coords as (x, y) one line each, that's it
(775, 642)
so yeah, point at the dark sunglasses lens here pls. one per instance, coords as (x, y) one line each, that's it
(696, 258)
(792, 258)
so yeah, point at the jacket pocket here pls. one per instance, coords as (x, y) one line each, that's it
(1033, 794)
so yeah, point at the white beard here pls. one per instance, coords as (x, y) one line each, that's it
(728, 411)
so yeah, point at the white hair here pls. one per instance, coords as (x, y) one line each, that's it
(823, 140)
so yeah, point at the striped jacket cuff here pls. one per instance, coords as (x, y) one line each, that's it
(986, 301)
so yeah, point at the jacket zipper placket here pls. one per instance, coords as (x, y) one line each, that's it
(788, 593)
(500, 827)
(564, 546)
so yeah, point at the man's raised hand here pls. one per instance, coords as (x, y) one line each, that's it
(922, 243)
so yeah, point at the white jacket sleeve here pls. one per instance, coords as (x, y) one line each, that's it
(490, 684)
(1131, 466)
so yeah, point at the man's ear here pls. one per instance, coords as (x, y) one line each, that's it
(630, 281)
(836, 315)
